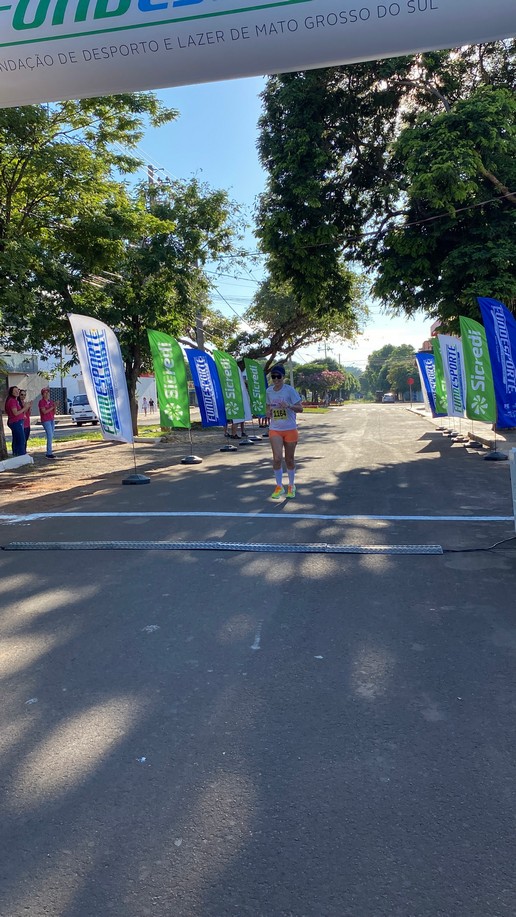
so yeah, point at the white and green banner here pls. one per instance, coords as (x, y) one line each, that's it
(70, 49)
(441, 400)
(256, 386)
(480, 394)
(171, 382)
(229, 376)
(453, 367)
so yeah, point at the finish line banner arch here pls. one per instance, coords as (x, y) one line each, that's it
(52, 50)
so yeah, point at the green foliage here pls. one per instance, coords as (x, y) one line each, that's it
(397, 374)
(391, 163)
(72, 239)
(388, 370)
(149, 254)
(280, 324)
(450, 247)
(320, 377)
(57, 164)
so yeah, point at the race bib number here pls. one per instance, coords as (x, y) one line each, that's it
(279, 413)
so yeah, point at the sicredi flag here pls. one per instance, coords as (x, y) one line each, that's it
(256, 385)
(231, 385)
(171, 383)
(480, 395)
(66, 49)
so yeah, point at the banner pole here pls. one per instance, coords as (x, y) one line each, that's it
(135, 478)
(472, 442)
(191, 459)
(496, 456)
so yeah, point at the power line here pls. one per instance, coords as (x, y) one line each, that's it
(374, 232)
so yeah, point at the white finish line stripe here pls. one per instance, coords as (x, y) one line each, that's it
(33, 517)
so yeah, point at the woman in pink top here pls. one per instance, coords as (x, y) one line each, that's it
(26, 417)
(15, 413)
(47, 410)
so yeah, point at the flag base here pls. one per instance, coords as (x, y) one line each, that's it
(136, 479)
(496, 456)
(191, 460)
(473, 444)
(228, 448)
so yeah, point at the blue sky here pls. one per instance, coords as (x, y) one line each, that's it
(214, 138)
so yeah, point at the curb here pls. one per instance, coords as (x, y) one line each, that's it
(16, 462)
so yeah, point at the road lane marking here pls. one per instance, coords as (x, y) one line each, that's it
(36, 517)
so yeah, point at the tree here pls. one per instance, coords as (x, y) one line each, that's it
(280, 324)
(57, 163)
(319, 378)
(365, 160)
(307, 134)
(3, 392)
(450, 246)
(388, 367)
(397, 374)
(148, 257)
(351, 383)
(73, 239)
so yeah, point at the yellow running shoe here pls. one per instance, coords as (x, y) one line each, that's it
(291, 491)
(278, 493)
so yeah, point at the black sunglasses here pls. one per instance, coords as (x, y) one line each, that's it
(275, 376)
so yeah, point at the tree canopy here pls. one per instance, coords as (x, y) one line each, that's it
(278, 324)
(388, 370)
(75, 238)
(57, 163)
(321, 377)
(406, 165)
(456, 239)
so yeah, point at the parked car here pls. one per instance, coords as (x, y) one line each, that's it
(82, 412)
(388, 398)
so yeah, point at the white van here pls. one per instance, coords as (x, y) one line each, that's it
(81, 412)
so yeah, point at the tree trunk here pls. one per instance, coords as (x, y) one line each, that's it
(132, 372)
(3, 444)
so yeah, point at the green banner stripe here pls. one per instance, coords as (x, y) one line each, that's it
(229, 375)
(171, 382)
(480, 394)
(441, 399)
(256, 387)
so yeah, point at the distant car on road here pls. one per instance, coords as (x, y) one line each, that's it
(388, 398)
(82, 412)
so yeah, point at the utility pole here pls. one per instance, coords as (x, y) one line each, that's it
(199, 322)
(199, 330)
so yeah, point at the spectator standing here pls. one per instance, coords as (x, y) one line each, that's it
(144, 406)
(151, 405)
(26, 417)
(47, 411)
(15, 414)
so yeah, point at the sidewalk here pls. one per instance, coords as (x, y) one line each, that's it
(473, 429)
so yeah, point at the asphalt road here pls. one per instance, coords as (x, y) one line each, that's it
(206, 733)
